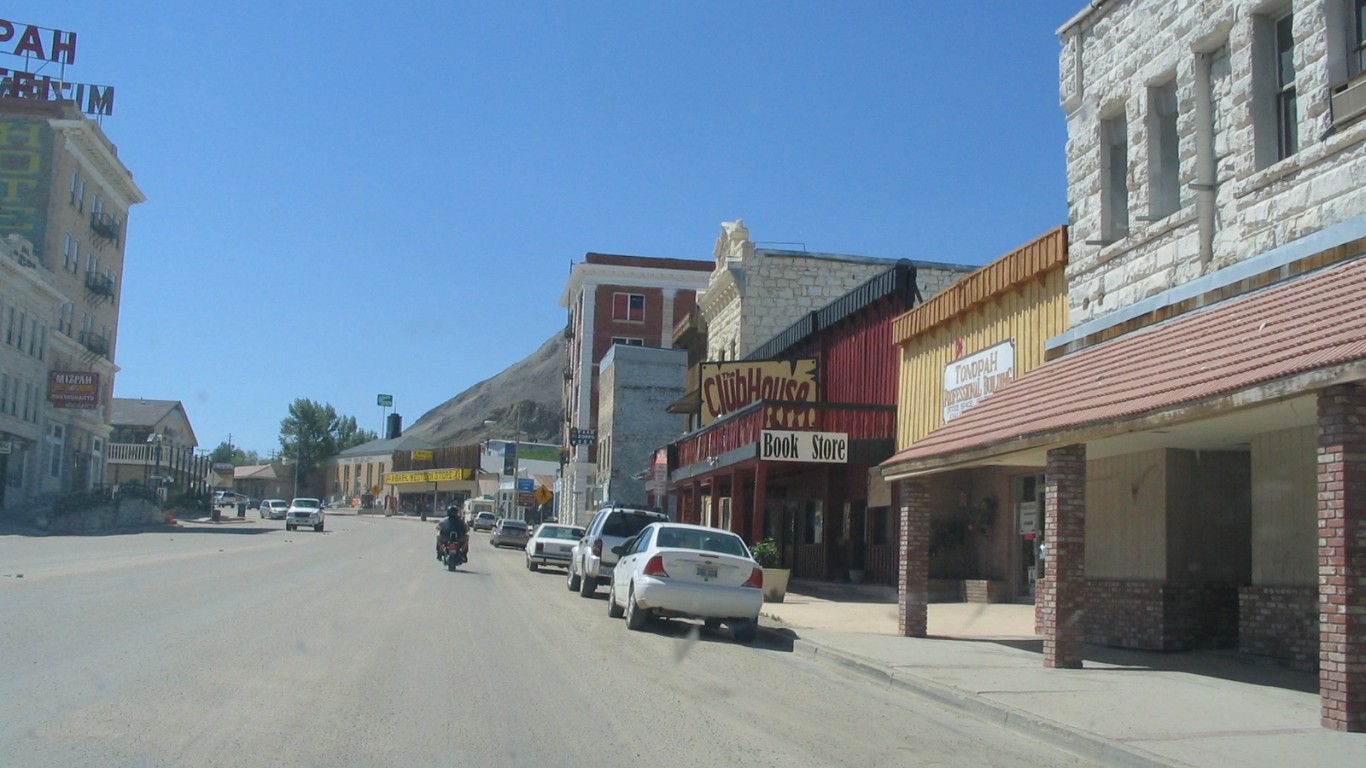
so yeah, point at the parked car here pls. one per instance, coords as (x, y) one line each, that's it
(304, 512)
(592, 560)
(273, 509)
(228, 499)
(483, 521)
(510, 533)
(551, 545)
(673, 570)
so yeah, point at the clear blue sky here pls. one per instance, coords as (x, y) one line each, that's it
(349, 199)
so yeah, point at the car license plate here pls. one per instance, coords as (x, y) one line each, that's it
(706, 571)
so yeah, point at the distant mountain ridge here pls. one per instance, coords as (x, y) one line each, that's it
(526, 396)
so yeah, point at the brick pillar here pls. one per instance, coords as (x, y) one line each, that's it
(913, 579)
(1342, 558)
(1064, 589)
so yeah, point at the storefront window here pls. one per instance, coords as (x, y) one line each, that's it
(815, 521)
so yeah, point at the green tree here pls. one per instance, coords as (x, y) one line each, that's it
(312, 433)
(227, 453)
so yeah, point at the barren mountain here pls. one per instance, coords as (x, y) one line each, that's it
(525, 396)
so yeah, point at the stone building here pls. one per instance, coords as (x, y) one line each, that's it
(628, 300)
(753, 294)
(63, 215)
(635, 388)
(1200, 427)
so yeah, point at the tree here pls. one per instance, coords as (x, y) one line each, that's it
(227, 453)
(313, 432)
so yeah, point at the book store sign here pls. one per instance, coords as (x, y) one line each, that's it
(969, 380)
(73, 389)
(824, 447)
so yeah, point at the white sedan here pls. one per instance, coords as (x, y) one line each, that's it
(672, 570)
(551, 544)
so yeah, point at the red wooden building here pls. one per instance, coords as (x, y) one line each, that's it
(822, 514)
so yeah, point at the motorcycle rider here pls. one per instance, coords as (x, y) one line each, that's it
(452, 528)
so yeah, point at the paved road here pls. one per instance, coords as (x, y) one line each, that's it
(246, 645)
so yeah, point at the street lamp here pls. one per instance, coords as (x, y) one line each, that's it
(155, 438)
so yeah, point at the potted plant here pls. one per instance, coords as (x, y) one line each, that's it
(767, 555)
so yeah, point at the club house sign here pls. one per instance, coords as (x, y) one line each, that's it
(968, 380)
(782, 445)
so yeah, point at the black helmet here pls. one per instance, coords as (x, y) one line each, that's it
(452, 510)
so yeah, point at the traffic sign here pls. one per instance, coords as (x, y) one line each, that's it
(525, 485)
(542, 495)
(525, 500)
(385, 400)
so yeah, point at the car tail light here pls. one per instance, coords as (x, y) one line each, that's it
(656, 567)
(756, 579)
(597, 547)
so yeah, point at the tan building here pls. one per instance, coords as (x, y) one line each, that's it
(152, 444)
(63, 211)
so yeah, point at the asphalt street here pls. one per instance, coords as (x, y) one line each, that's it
(243, 644)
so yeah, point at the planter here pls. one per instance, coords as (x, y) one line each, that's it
(775, 584)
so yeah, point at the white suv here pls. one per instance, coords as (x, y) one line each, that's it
(592, 561)
(303, 512)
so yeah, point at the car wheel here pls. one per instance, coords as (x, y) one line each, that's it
(711, 623)
(318, 527)
(588, 586)
(570, 579)
(530, 566)
(745, 631)
(635, 617)
(288, 527)
(613, 610)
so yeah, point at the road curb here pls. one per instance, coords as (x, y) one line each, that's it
(1074, 740)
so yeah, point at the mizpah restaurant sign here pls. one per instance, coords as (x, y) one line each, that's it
(40, 72)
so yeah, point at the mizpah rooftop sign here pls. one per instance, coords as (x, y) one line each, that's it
(43, 56)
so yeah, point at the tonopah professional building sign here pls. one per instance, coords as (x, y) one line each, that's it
(823, 447)
(728, 387)
(970, 379)
(34, 50)
(73, 389)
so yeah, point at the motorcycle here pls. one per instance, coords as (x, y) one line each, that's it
(453, 555)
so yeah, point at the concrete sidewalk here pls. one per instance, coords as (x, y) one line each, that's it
(1122, 708)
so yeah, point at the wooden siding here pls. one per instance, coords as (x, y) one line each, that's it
(1029, 313)
(1126, 517)
(1285, 508)
(1047, 253)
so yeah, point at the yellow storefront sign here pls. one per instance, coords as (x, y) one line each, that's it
(427, 476)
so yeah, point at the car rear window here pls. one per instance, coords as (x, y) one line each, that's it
(625, 523)
(703, 541)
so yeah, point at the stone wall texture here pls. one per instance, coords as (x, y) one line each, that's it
(1108, 64)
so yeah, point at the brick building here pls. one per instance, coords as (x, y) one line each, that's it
(627, 300)
(1198, 426)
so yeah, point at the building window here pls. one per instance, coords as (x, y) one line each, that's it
(66, 314)
(1164, 152)
(55, 442)
(1356, 38)
(19, 337)
(628, 307)
(1275, 108)
(80, 195)
(75, 177)
(813, 530)
(630, 341)
(1114, 209)
(1287, 111)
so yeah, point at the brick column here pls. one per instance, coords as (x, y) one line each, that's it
(1342, 558)
(913, 562)
(1064, 588)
